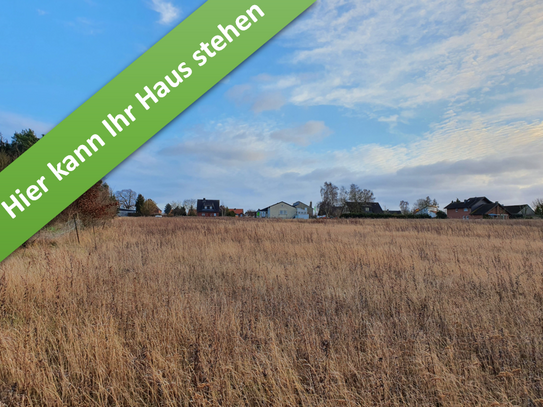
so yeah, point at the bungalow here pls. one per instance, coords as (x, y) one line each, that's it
(280, 210)
(520, 211)
(476, 208)
(238, 212)
(354, 207)
(208, 208)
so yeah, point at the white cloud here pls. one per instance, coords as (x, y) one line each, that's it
(168, 12)
(403, 55)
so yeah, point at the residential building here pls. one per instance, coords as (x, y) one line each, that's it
(354, 207)
(280, 210)
(238, 212)
(476, 208)
(520, 211)
(301, 213)
(308, 209)
(209, 208)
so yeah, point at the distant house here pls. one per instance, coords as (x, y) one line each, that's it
(238, 212)
(520, 211)
(250, 214)
(280, 210)
(301, 205)
(354, 207)
(123, 213)
(476, 208)
(362, 207)
(301, 213)
(208, 208)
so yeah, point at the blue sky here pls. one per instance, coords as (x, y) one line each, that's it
(439, 98)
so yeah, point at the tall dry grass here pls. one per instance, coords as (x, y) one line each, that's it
(193, 312)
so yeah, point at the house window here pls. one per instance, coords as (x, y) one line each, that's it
(367, 209)
(465, 209)
(214, 214)
(203, 214)
(456, 210)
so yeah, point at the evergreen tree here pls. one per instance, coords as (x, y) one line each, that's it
(140, 200)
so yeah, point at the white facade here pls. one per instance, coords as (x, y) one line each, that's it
(301, 213)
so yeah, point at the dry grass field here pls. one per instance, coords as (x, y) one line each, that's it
(226, 312)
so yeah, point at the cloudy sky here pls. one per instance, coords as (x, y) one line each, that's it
(409, 99)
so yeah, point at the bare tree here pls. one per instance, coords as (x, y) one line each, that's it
(343, 198)
(538, 206)
(126, 198)
(404, 207)
(425, 203)
(367, 196)
(330, 198)
(189, 205)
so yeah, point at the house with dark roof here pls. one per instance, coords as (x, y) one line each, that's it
(354, 207)
(476, 208)
(520, 211)
(208, 208)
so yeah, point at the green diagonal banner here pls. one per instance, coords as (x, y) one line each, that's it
(132, 108)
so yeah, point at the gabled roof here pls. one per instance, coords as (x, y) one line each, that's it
(514, 209)
(484, 209)
(202, 203)
(469, 203)
(375, 207)
(237, 211)
(280, 202)
(299, 203)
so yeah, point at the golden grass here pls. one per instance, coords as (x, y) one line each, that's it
(194, 312)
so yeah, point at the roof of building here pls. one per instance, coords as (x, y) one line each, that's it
(484, 209)
(280, 202)
(516, 208)
(213, 203)
(375, 207)
(468, 203)
(299, 203)
(237, 211)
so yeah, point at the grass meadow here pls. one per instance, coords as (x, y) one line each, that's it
(231, 312)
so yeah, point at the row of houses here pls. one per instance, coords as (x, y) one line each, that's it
(279, 210)
(482, 207)
(472, 208)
